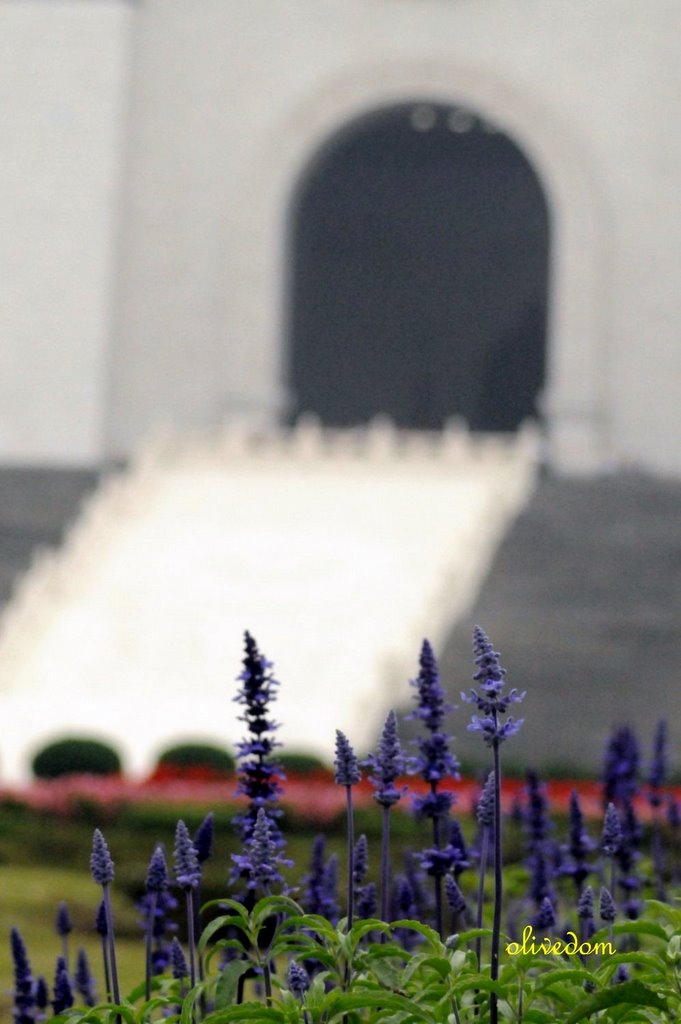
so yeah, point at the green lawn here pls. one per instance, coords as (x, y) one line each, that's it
(29, 897)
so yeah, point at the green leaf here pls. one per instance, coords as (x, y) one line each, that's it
(339, 1004)
(230, 920)
(430, 934)
(246, 1011)
(633, 992)
(228, 982)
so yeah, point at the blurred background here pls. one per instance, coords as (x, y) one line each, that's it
(350, 323)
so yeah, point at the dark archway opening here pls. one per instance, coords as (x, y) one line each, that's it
(419, 249)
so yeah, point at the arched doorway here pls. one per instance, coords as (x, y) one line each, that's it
(419, 249)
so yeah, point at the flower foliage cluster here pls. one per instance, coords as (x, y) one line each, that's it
(420, 942)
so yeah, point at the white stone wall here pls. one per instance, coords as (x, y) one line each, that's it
(232, 97)
(63, 70)
(229, 100)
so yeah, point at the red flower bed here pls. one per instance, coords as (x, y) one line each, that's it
(313, 796)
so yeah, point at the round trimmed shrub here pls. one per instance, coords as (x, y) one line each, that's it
(75, 755)
(202, 756)
(299, 762)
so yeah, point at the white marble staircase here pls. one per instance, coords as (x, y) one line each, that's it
(338, 550)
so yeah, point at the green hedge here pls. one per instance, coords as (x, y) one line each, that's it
(75, 755)
(198, 755)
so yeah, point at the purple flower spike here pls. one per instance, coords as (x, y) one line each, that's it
(606, 905)
(63, 922)
(387, 764)
(23, 980)
(546, 918)
(484, 811)
(100, 921)
(361, 860)
(620, 770)
(585, 903)
(298, 979)
(63, 993)
(187, 870)
(42, 995)
(612, 831)
(367, 904)
(345, 763)
(490, 700)
(178, 961)
(455, 898)
(434, 760)
(101, 864)
(203, 838)
(83, 979)
(157, 873)
(260, 863)
(658, 767)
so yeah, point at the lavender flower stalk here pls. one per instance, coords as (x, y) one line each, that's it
(585, 913)
(187, 875)
(348, 775)
(485, 815)
(656, 780)
(24, 999)
(493, 704)
(262, 858)
(64, 927)
(434, 761)
(103, 932)
(83, 980)
(203, 844)
(386, 765)
(298, 982)
(579, 846)
(63, 993)
(102, 871)
(259, 773)
(156, 883)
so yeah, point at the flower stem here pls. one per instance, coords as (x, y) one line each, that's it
(484, 853)
(437, 878)
(191, 938)
(107, 972)
(385, 865)
(115, 991)
(149, 938)
(351, 856)
(498, 880)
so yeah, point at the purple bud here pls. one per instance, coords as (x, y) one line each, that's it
(42, 995)
(178, 961)
(298, 979)
(347, 767)
(203, 838)
(187, 870)
(157, 873)
(101, 864)
(63, 922)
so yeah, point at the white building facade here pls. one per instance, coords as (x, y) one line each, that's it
(152, 151)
